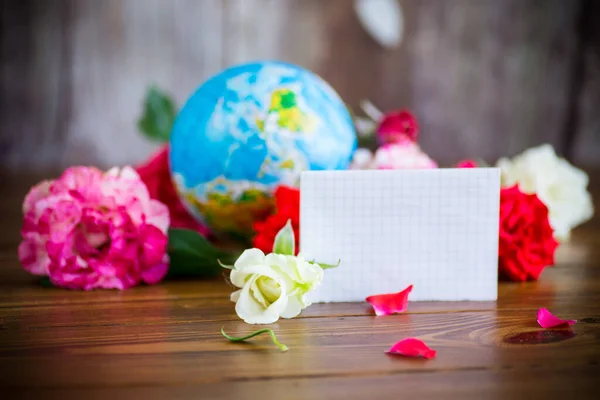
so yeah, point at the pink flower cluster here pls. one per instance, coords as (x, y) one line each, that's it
(397, 133)
(402, 155)
(89, 229)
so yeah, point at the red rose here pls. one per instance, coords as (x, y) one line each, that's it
(156, 175)
(287, 206)
(398, 126)
(466, 164)
(527, 241)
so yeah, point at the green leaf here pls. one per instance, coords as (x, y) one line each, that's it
(285, 242)
(193, 256)
(282, 346)
(46, 282)
(158, 116)
(328, 266)
(367, 142)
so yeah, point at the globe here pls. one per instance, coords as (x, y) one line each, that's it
(249, 129)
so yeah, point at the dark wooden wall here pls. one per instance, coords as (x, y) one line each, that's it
(486, 78)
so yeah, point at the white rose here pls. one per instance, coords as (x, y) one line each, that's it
(558, 184)
(272, 286)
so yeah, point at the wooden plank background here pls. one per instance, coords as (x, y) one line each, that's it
(486, 78)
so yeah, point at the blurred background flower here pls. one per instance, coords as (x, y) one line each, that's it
(527, 244)
(156, 175)
(558, 184)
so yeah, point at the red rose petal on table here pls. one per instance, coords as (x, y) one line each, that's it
(547, 320)
(387, 304)
(412, 347)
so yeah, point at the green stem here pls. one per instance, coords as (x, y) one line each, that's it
(328, 266)
(224, 265)
(282, 346)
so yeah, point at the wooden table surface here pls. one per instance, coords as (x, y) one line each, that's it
(164, 341)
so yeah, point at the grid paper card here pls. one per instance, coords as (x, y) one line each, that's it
(436, 229)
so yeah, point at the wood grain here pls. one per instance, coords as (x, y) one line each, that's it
(164, 341)
(483, 73)
(587, 134)
(460, 384)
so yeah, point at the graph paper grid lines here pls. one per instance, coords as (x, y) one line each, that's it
(436, 229)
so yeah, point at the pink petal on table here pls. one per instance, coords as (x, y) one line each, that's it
(547, 320)
(412, 347)
(386, 304)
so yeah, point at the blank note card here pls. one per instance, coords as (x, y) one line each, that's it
(436, 229)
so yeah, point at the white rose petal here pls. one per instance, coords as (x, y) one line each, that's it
(252, 312)
(235, 295)
(382, 19)
(294, 307)
(250, 257)
(558, 184)
(310, 273)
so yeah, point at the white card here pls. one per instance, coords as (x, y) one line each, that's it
(435, 228)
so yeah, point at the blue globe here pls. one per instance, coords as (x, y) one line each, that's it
(249, 129)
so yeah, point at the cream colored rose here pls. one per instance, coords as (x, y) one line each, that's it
(272, 286)
(558, 184)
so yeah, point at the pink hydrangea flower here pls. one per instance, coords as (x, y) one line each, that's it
(89, 229)
(402, 155)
